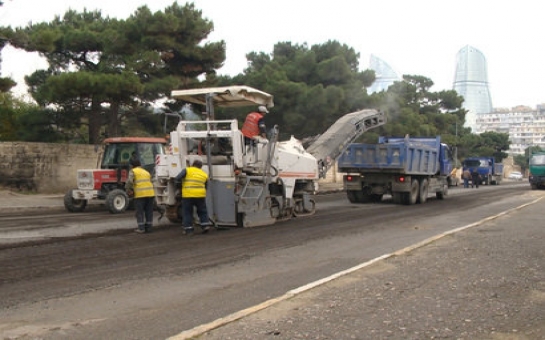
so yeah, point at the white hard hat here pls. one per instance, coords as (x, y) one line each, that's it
(262, 109)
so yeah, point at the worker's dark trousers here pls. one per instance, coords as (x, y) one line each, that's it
(144, 212)
(200, 204)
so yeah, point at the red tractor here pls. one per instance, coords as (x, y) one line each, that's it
(108, 182)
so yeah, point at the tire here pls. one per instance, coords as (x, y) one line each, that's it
(412, 196)
(355, 196)
(117, 201)
(375, 198)
(443, 193)
(364, 198)
(397, 197)
(423, 192)
(351, 195)
(73, 205)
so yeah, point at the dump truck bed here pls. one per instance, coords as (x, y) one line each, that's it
(409, 156)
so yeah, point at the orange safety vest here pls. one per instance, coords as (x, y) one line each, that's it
(142, 183)
(193, 184)
(251, 127)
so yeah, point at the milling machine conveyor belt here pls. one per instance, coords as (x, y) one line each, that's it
(331, 144)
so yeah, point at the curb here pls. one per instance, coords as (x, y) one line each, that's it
(201, 329)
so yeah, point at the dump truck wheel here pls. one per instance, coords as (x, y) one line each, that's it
(412, 196)
(357, 196)
(423, 193)
(443, 193)
(351, 195)
(363, 198)
(375, 198)
(117, 201)
(73, 205)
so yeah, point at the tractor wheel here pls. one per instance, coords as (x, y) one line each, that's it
(117, 201)
(72, 204)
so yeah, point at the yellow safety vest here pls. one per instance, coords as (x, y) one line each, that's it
(142, 183)
(193, 185)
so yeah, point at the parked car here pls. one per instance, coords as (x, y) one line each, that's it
(515, 175)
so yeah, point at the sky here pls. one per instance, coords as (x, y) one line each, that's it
(418, 37)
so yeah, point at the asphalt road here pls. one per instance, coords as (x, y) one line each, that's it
(113, 283)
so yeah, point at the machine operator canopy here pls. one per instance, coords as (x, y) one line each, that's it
(228, 96)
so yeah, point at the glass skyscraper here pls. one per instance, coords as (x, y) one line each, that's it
(385, 75)
(471, 82)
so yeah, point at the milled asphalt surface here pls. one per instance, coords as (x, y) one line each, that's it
(482, 281)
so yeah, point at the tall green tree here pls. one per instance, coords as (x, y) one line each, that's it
(313, 86)
(8, 117)
(23, 121)
(103, 69)
(6, 84)
(413, 109)
(487, 144)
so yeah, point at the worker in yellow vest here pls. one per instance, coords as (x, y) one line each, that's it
(194, 182)
(139, 184)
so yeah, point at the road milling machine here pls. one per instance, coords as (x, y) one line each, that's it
(256, 184)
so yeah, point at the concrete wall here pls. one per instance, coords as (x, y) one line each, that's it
(43, 167)
(48, 168)
(51, 168)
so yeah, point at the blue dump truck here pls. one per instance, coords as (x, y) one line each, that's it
(490, 171)
(406, 168)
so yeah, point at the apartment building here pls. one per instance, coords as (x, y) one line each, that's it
(525, 126)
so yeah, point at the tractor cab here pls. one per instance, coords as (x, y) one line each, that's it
(107, 182)
(118, 152)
